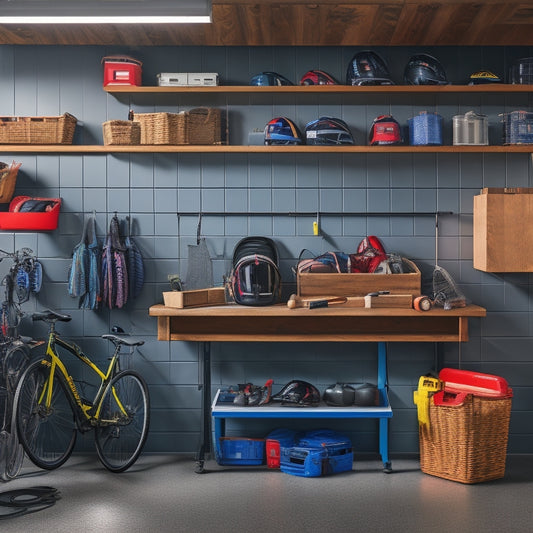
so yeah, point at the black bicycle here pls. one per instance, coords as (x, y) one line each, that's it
(24, 277)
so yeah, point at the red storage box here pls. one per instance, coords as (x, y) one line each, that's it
(37, 221)
(122, 70)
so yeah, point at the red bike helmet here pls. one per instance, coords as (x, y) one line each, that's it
(317, 77)
(385, 130)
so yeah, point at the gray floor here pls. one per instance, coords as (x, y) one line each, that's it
(163, 493)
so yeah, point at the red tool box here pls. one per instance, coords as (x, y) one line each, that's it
(122, 70)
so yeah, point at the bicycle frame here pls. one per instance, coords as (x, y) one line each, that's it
(87, 414)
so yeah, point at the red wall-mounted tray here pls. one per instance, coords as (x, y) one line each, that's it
(37, 221)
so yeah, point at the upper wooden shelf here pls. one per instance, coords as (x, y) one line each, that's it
(144, 148)
(322, 89)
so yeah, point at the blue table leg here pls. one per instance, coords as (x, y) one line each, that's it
(383, 422)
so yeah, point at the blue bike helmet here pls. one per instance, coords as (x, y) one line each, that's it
(270, 78)
(282, 130)
(328, 130)
(368, 68)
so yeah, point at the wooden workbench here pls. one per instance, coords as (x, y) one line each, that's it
(332, 324)
(278, 323)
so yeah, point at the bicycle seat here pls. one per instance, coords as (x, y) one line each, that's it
(50, 316)
(118, 339)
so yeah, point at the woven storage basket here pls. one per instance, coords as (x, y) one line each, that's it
(37, 130)
(8, 180)
(466, 442)
(204, 125)
(162, 128)
(121, 132)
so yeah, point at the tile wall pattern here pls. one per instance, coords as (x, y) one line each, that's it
(153, 188)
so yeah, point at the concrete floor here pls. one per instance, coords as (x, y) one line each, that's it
(162, 493)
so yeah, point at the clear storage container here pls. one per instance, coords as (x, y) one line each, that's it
(470, 128)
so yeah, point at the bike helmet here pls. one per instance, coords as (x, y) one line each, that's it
(299, 393)
(482, 77)
(255, 279)
(339, 395)
(368, 68)
(281, 130)
(366, 395)
(423, 69)
(317, 77)
(385, 130)
(328, 130)
(270, 78)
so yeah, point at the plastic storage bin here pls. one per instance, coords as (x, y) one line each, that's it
(425, 129)
(518, 127)
(470, 129)
(318, 453)
(521, 71)
(466, 437)
(37, 221)
(241, 451)
(122, 70)
(275, 441)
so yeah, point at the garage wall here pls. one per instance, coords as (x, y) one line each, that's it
(153, 188)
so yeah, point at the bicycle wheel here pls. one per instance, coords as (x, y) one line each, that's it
(14, 457)
(48, 434)
(123, 420)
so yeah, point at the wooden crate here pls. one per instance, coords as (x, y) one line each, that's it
(360, 284)
(502, 231)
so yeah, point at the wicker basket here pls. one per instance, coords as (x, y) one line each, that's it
(37, 130)
(162, 128)
(8, 180)
(466, 442)
(122, 132)
(204, 126)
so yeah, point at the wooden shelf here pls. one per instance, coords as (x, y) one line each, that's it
(117, 149)
(324, 89)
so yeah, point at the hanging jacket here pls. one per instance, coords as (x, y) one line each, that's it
(135, 265)
(84, 276)
(114, 277)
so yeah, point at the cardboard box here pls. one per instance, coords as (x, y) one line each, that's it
(314, 284)
(502, 231)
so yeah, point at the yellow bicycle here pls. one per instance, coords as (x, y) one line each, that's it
(50, 410)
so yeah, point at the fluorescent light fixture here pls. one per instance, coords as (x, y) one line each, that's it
(104, 11)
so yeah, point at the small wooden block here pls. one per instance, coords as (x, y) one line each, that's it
(197, 298)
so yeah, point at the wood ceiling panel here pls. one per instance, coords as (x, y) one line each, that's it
(306, 23)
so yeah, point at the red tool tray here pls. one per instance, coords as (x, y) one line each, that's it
(38, 221)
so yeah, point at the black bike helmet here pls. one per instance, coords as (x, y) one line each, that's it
(366, 395)
(423, 69)
(281, 130)
(339, 395)
(328, 130)
(368, 68)
(255, 279)
(298, 393)
(269, 78)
